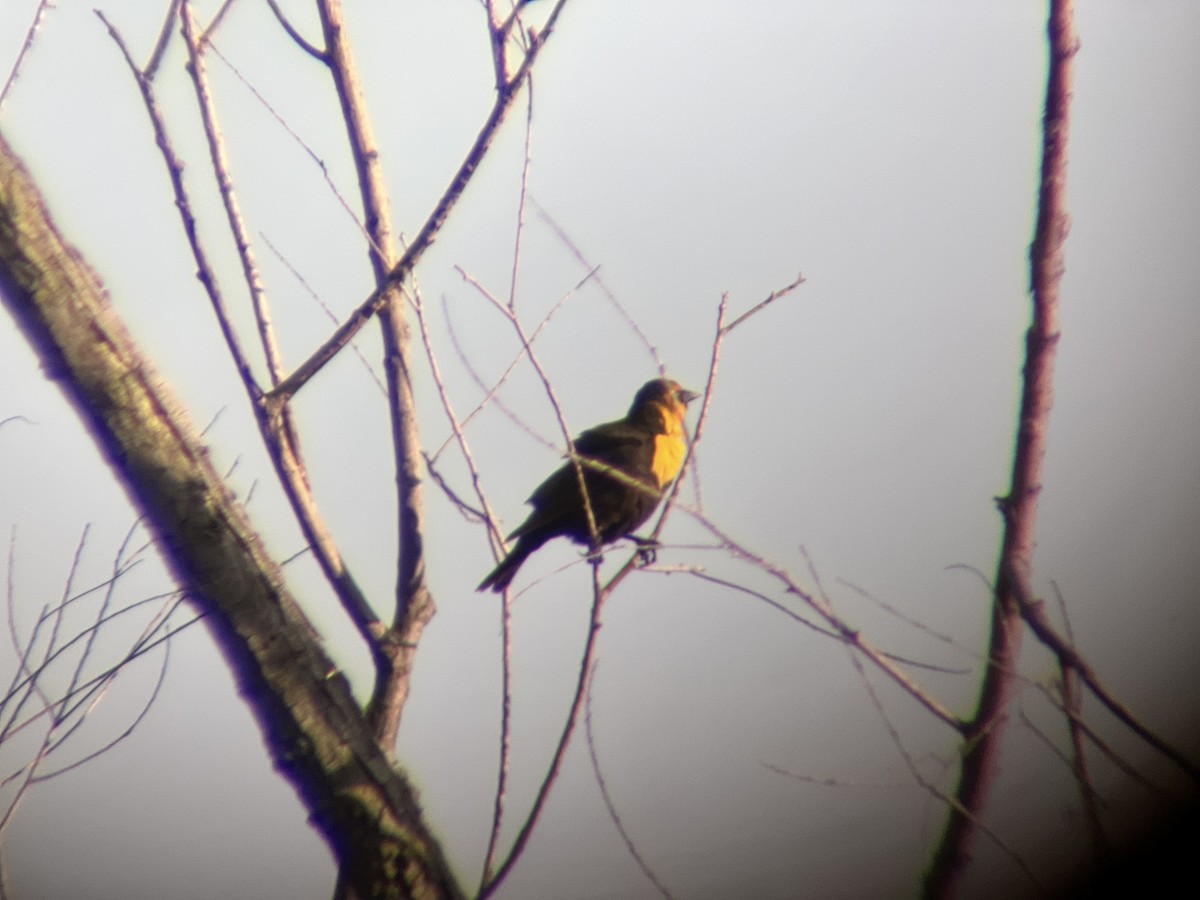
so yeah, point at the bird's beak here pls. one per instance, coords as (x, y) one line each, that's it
(686, 396)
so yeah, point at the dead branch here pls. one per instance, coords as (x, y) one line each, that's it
(505, 96)
(1013, 585)
(363, 806)
(609, 805)
(278, 432)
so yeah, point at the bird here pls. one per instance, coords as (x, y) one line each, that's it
(647, 446)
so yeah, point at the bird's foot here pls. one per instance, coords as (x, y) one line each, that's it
(647, 549)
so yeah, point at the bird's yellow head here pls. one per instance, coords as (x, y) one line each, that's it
(662, 404)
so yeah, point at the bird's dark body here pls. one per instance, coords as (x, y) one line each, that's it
(648, 446)
(617, 508)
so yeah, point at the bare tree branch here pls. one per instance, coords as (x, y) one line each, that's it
(205, 36)
(277, 430)
(433, 224)
(1034, 615)
(164, 38)
(1072, 701)
(311, 49)
(630, 846)
(363, 806)
(394, 649)
(593, 275)
(599, 595)
(233, 214)
(1013, 585)
(39, 15)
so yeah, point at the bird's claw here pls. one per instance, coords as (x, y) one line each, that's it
(647, 549)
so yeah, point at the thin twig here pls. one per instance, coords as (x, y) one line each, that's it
(204, 270)
(835, 782)
(39, 15)
(340, 197)
(433, 224)
(847, 631)
(705, 404)
(931, 788)
(1035, 617)
(915, 623)
(522, 196)
(205, 36)
(469, 512)
(495, 534)
(151, 628)
(593, 274)
(599, 595)
(160, 45)
(796, 617)
(1103, 746)
(576, 460)
(284, 452)
(613, 815)
(80, 690)
(456, 426)
(233, 214)
(771, 298)
(118, 569)
(491, 393)
(505, 754)
(329, 313)
(1072, 701)
(60, 613)
(312, 50)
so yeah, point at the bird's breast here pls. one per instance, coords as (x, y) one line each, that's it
(669, 450)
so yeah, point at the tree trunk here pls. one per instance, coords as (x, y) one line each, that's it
(317, 736)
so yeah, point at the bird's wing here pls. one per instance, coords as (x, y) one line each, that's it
(613, 442)
(617, 444)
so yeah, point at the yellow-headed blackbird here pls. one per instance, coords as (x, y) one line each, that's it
(648, 445)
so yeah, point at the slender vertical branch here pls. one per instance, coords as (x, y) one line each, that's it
(611, 806)
(394, 650)
(233, 214)
(204, 270)
(489, 857)
(164, 38)
(599, 596)
(497, 536)
(274, 422)
(31, 33)
(1013, 586)
(1073, 704)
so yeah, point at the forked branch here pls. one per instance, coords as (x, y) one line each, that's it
(1013, 585)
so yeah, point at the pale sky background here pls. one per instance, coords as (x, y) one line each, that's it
(887, 150)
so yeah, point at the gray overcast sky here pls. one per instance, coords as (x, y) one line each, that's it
(888, 151)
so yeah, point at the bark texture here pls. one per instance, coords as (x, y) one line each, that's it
(318, 737)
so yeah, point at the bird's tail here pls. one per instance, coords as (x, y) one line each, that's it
(501, 576)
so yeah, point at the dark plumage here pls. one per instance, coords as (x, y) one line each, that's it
(648, 445)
